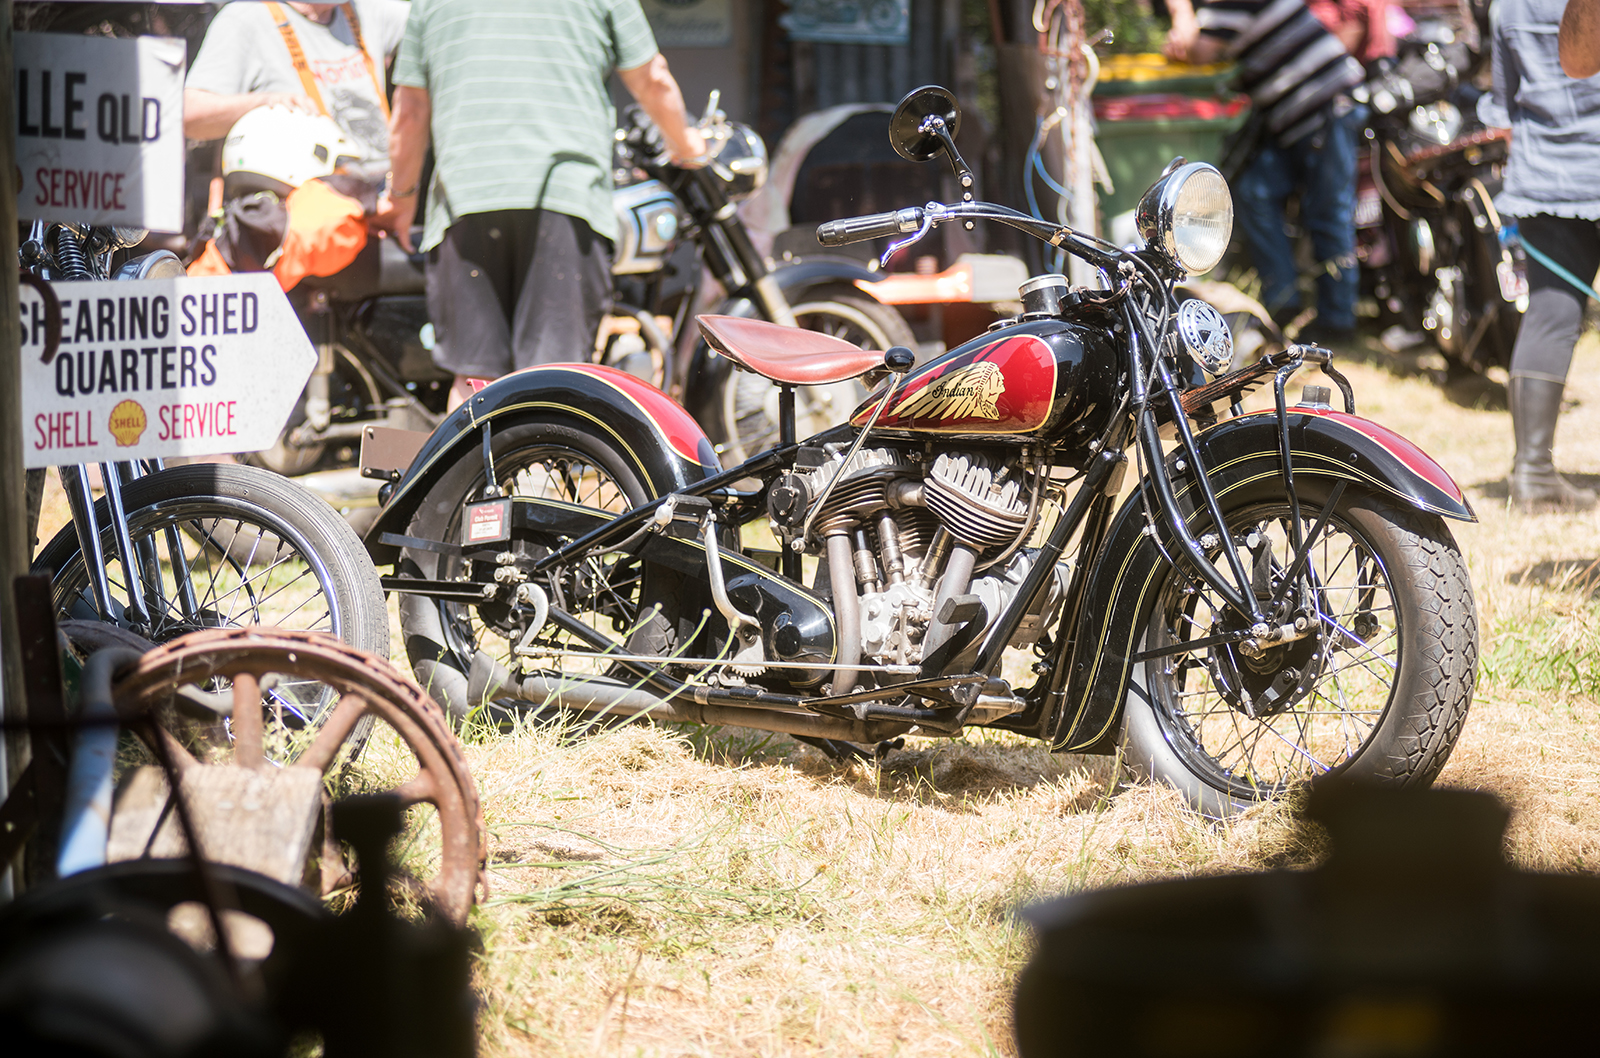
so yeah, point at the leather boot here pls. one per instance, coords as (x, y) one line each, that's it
(1535, 485)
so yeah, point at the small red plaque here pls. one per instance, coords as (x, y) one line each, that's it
(488, 522)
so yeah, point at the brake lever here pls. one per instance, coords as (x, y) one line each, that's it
(910, 240)
(929, 216)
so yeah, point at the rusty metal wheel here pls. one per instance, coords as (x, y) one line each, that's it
(237, 673)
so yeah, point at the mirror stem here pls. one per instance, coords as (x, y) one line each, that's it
(935, 125)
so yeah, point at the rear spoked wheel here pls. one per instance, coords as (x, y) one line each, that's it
(1369, 677)
(616, 593)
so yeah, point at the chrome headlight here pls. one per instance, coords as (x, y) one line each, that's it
(739, 158)
(1188, 215)
(1438, 122)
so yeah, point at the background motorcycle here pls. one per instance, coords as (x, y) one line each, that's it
(679, 228)
(1280, 597)
(1428, 236)
(676, 227)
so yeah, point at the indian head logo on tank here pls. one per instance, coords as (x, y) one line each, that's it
(968, 392)
(1005, 387)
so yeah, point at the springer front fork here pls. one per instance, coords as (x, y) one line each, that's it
(1237, 589)
(141, 566)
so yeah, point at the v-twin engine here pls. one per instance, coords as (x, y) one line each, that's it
(902, 531)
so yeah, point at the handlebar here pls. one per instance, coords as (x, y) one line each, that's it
(917, 219)
(871, 226)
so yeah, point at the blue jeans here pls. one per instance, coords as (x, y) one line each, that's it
(1325, 176)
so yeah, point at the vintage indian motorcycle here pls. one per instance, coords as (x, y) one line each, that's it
(1279, 597)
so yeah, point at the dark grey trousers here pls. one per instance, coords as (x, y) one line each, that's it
(1554, 318)
(515, 288)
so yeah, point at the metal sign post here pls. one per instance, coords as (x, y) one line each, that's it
(14, 545)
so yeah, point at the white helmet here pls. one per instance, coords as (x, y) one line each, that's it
(278, 149)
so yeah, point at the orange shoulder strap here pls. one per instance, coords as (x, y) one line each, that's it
(366, 56)
(297, 55)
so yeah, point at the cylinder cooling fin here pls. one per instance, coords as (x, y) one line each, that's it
(981, 501)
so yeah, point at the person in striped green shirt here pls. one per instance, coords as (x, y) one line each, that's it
(519, 223)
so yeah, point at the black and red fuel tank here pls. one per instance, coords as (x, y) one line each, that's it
(1051, 380)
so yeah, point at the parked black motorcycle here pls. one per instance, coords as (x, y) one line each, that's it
(1278, 598)
(675, 225)
(1428, 235)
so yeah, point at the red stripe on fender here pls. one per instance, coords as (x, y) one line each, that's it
(1408, 453)
(676, 426)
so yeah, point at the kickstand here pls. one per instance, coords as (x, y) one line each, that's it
(837, 750)
(834, 749)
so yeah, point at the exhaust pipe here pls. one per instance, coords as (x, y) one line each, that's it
(490, 680)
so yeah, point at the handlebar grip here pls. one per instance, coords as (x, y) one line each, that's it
(872, 226)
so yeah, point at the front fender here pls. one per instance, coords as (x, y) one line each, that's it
(666, 447)
(1324, 446)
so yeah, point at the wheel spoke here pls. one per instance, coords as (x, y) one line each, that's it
(246, 721)
(333, 733)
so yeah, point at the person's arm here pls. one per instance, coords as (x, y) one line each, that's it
(1579, 40)
(654, 88)
(1505, 81)
(1351, 34)
(209, 116)
(1185, 42)
(409, 122)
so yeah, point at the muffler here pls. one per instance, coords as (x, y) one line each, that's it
(490, 681)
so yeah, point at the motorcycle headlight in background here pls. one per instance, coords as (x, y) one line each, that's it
(739, 158)
(1188, 215)
(1438, 122)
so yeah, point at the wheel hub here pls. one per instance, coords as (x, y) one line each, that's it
(1271, 680)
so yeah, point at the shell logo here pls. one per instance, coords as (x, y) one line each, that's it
(127, 422)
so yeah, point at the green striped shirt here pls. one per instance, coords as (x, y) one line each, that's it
(521, 114)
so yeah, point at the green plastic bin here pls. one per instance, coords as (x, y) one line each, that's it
(1137, 149)
(1135, 152)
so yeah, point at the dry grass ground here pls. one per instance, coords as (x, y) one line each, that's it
(666, 893)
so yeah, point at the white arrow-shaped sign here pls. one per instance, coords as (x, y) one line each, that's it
(160, 367)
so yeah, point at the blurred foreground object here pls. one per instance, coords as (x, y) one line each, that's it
(195, 938)
(1416, 937)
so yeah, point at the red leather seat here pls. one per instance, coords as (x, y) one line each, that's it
(787, 354)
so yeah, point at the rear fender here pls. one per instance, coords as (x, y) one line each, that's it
(793, 276)
(663, 445)
(1241, 453)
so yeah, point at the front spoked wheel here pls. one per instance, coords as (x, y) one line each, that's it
(1370, 675)
(223, 546)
